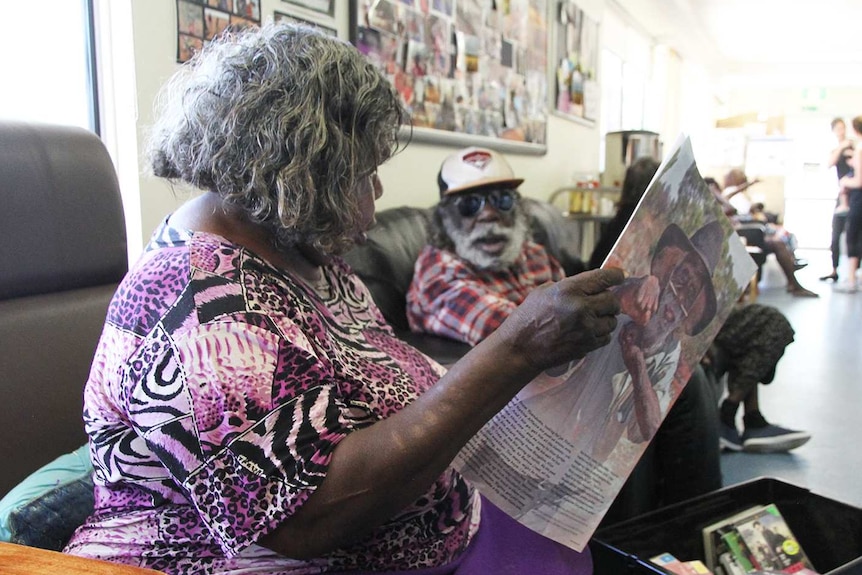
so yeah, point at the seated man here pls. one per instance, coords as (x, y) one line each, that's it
(481, 263)
(747, 349)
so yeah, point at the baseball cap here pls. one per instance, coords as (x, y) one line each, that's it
(472, 168)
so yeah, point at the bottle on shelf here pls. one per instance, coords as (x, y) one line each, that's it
(581, 198)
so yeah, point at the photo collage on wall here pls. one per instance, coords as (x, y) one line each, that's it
(475, 67)
(576, 62)
(199, 21)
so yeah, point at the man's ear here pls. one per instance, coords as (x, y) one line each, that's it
(437, 234)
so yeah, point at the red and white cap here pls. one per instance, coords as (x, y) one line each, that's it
(472, 168)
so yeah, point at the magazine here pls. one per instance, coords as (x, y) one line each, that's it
(729, 564)
(738, 547)
(558, 454)
(772, 542)
(674, 565)
(756, 540)
(714, 544)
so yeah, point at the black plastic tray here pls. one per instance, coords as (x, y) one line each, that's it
(829, 531)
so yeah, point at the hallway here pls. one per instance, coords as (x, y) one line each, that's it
(817, 388)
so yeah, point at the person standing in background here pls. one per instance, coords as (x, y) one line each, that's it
(852, 185)
(839, 157)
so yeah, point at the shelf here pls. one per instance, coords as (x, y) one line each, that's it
(586, 217)
(599, 201)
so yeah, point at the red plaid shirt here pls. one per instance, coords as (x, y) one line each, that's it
(449, 297)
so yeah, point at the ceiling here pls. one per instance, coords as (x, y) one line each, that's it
(779, 41)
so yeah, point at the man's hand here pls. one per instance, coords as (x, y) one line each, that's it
(566, 320)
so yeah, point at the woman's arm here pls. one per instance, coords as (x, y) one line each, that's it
(377, 471)
(740, 188)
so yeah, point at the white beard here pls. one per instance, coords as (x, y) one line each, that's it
(465, 244)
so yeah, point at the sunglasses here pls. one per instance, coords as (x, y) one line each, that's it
(471, 204)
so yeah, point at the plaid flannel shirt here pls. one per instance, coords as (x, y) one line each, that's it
(449, 297)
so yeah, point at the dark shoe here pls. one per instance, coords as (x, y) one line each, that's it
(798, 264)
(772, 439)
(729, 438)
(833, 277)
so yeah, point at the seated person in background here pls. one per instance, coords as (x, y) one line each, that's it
(481, 263)
(736, 186)
(638, 177)
(775, 239)
(249, 410)
(726, 206)
(747, 349)
(745, 210)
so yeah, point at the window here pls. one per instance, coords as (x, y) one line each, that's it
(49, 67)
(624, 70)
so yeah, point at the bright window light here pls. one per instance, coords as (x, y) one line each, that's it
(45, 65)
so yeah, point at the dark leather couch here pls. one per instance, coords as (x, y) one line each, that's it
(681, 462)
(64, 252)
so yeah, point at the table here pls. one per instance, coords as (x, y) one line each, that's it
(23, 560)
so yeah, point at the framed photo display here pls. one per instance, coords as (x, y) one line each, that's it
(199, 21)
(576, 57)
(282, 17)
(468, 72)
(323, 6)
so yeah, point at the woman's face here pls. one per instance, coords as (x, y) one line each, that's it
(840, 131)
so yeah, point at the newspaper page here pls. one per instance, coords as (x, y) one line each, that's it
(558, 454)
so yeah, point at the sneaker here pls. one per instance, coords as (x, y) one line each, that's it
(729, 438)
(772, 438)
(845, 288)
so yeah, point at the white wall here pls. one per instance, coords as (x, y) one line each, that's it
(410, 178)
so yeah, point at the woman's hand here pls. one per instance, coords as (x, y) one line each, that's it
(565, 320)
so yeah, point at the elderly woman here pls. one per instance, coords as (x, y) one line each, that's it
(249, 410)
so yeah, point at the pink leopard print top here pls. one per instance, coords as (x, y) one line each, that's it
(219, 389)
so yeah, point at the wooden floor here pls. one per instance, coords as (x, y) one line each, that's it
(817, 388)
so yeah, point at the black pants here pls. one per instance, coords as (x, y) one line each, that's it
(839, 222)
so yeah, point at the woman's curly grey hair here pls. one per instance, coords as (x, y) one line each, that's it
(283, 121)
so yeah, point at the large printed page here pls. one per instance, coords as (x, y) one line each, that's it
(558, 454)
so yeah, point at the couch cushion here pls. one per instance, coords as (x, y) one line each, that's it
(45, 508)
(385, 262)
(559, 235)
(71, 186)
(48, 346)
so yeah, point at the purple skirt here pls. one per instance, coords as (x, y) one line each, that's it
(504, 546)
